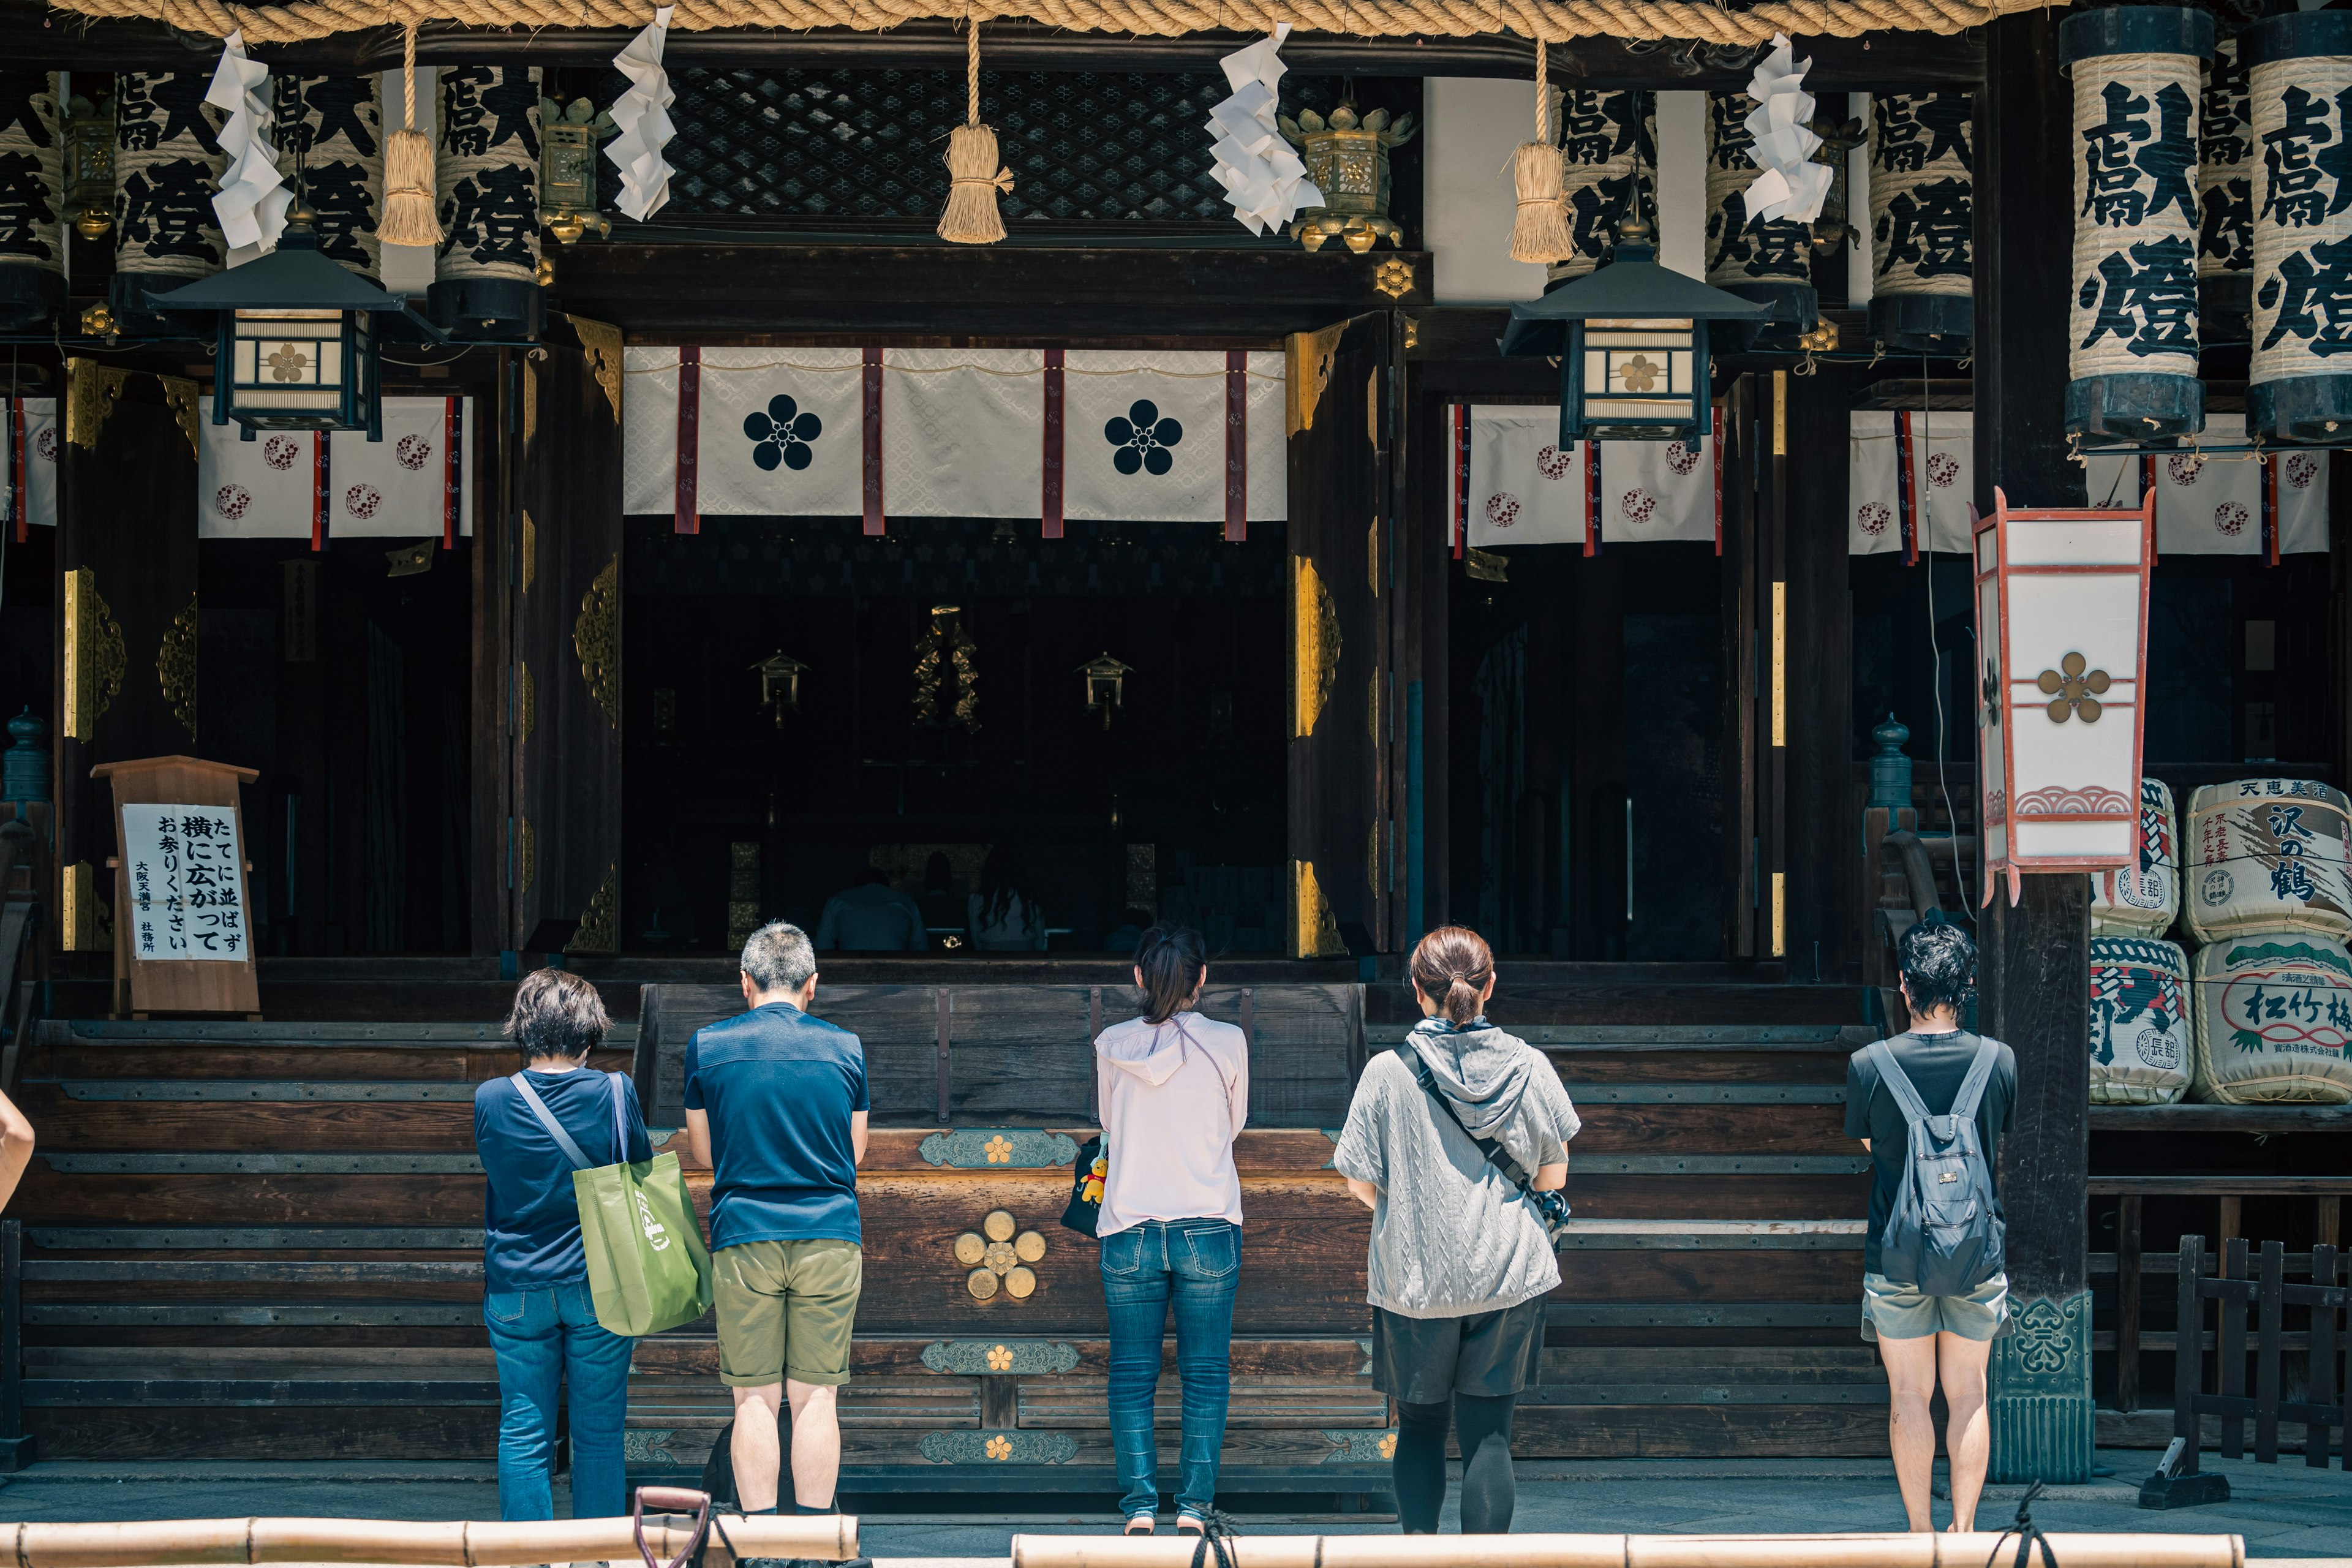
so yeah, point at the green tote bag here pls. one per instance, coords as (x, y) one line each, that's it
(647, 1268)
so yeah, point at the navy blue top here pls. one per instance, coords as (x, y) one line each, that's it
(779, 1087)
(530, 1219)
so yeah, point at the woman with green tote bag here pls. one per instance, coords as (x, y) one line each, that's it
(538, 1304)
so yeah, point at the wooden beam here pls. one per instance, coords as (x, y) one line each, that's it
(1822, 863)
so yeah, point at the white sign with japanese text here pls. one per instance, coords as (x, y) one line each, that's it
(184, 870)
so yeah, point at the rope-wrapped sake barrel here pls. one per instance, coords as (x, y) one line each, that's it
(1601, 134)
(2132, 344)
(340, 139)
(2298, 86)
(32, 204)
(486, 284)
(2225, 201)
(1922, 216)
(2140, 1052)
(167, 164)
(1769, 262)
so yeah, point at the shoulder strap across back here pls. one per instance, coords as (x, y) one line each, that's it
(1898, 1083)
(1972, 1087)
(579, 1162)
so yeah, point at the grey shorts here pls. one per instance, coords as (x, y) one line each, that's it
(1428, 1360)
(1895, 1311)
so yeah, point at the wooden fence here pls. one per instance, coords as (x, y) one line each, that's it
(2320, 1411)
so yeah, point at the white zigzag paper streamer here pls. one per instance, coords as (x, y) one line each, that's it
(253, 199)
(1791, 185)
(1264, 179)
(643, 115)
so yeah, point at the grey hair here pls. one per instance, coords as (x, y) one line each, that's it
(557, 1013)
(779, 957)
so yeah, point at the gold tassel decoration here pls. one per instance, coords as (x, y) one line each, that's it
(1540, 228)
(408, 169)
(972, 217)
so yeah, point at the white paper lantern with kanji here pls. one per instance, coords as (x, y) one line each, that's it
(2062, 640)
(2299, 93)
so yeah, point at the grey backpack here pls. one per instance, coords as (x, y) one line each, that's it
(1944, 1236)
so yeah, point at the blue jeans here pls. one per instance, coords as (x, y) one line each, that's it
(1196, 1264)
(544, 1338)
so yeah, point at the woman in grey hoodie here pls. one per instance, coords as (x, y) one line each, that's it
(1460, 1260)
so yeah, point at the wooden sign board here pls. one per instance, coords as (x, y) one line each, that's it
(182, 940)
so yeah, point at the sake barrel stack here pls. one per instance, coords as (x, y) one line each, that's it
(2140, 1052)
(2274, 1014)
(2143, 899)
(2268, 855)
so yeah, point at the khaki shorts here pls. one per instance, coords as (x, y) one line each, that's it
(1893, 1311)
(786, 1310)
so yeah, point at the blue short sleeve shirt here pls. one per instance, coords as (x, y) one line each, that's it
(779, 1087)
(530, 1219)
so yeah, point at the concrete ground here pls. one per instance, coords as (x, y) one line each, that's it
(2284, 1512)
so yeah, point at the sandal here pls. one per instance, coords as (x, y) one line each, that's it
(1142, 1524)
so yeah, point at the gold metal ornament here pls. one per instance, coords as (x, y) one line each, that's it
(601, 341)
(983, 1283)
(95, 660)
(1347, 158)
(567, 167)
(1395, 278)
(1315, 647)
(998, 1255)
(176, 666)
(1028, 1247)
(970, 1248)
(527, 847)
(544, 273)
(2071, 689)
(600, 922)
(1020, 1283)
(596, 638)
(89, 166)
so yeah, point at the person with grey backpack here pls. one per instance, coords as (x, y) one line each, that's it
(1931, 1105)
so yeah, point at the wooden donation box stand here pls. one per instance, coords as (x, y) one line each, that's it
(182, 939)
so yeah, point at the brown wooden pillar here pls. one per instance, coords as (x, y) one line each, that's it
(127, 604)
(2034, 972)
(1823, 812)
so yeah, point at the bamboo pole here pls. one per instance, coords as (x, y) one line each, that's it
(1905, 1551)
(186, 1542)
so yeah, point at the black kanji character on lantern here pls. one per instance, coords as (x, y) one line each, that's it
(337, 101)
(2146, 296)
(1598, 127)
(1945, 117)
(492, 213)
(1930, 229)
(2111, 192)
(156, 109)
(2170, 158)
(344, 199)
(2222, 117)
(17, 89)
(1593, 211)
(2227, 233)
(2312, 296)
(484, 107)
(1902, 138)
(24, 206)
(2294, 198)
(164, 209)
(1729, 140)
(2334, 161)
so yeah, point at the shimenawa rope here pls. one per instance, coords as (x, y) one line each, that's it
(972, 217)
(408, 167)
(1539, 227)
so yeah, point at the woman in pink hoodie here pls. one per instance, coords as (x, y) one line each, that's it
(1174, 1092)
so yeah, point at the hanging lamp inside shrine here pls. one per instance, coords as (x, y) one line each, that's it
(1769, 262)
(2132, 343)
(2299, 89)
(167, 164)
(32, 206)
(486, 283)
(2225, 197)
(1922, 222)
(1608, 141)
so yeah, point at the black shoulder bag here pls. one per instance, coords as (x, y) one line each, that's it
(1552, 1208)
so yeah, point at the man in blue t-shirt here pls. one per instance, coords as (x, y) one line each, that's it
(776, 1106)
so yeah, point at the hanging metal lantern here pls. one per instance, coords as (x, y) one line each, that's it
(780, 685)
(2299, 88)
(2133, 341)
(2225, 200)
(567, 168)
(167, 164)
(1770, 263)
(1347, 160)
(1608, 141)
(1922, 222)
(1106, 680)
(338, 138)
(90, 165)
(32, 204)
(485, 287)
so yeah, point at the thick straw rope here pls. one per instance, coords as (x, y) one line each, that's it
(1553, 21)
(974, 174)
(1539, 225)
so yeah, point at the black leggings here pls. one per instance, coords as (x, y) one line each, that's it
(1488, 1494)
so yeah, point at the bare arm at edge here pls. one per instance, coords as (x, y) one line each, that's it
(1551, 1178)
(1364, 1193)
(698, 1137)
(15, 1147)
(857, 1137)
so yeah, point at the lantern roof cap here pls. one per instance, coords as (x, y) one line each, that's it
(1631, 286)
(2133, 30)
(2296, 35)
(293, 277)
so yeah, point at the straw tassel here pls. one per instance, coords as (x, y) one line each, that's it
(408, 169)
(1539, 229)
(972, 217)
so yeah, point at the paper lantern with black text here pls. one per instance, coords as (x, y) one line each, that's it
(2299, 90)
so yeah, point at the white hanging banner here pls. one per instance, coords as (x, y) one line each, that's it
(963, 432)
(1943, 479)
(1525, 489)
(393, 488)
(31, 477)
(2212, 504)
(1145, 431)
(1658, 489)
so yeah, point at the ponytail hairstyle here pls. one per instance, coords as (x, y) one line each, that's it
(1450, 966)
(1171, 958)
